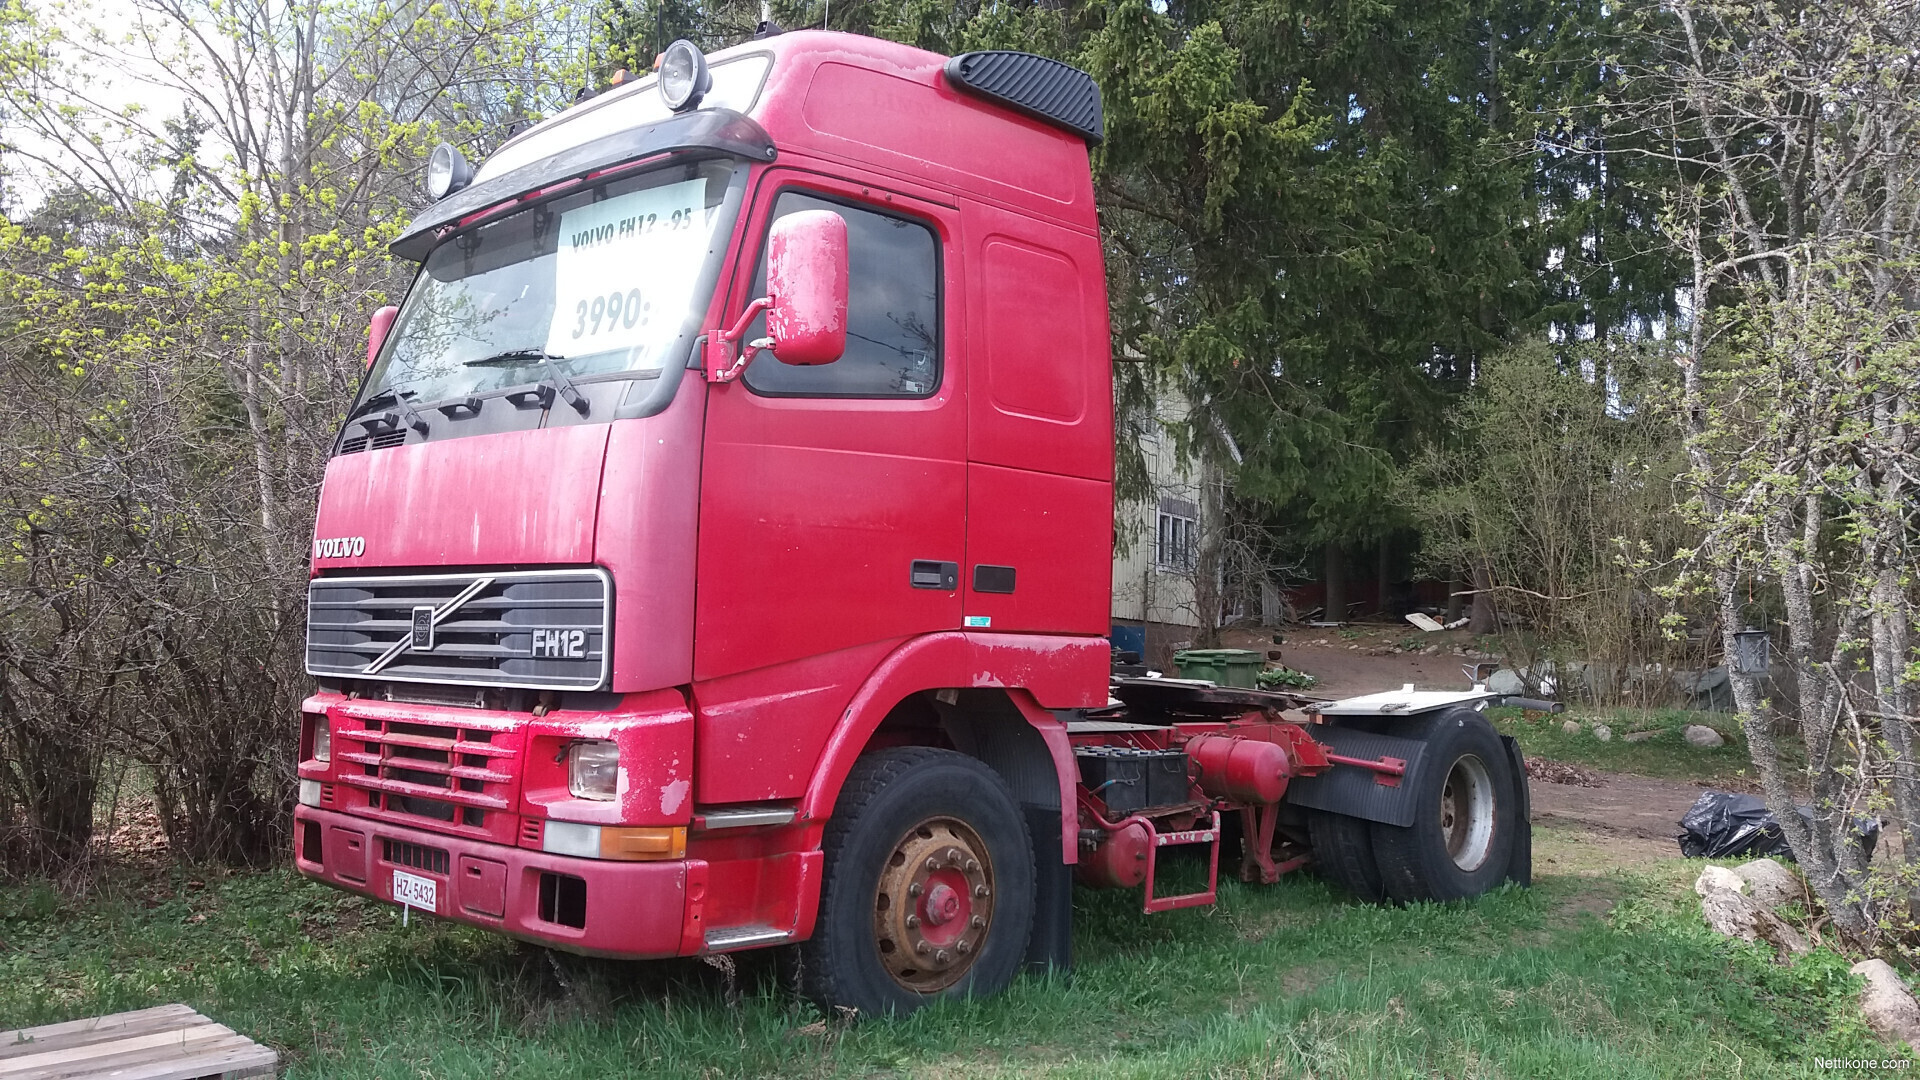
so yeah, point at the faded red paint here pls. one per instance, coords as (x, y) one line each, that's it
(764, 622)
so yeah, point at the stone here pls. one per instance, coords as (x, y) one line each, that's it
(1639, 736)
(1603, 732)
(1571, 727)
(1887, 1003)
(1770, 884)
(1718, 879)
(1703, 736)
(1506, 681)
(1733, 913)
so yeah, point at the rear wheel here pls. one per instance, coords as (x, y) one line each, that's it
(1343, 852)
(928, 888)
(1462, 835)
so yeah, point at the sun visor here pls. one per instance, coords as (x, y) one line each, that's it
(721, 130)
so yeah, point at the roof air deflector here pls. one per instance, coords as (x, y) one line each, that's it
(1047, 90)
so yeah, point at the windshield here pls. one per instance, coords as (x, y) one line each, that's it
(610, 281)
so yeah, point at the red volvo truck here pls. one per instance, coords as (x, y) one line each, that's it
(718, 556)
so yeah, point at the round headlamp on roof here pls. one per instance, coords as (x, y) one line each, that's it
(447, 171)
(684, 78)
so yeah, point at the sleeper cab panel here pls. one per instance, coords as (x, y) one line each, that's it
(1041, 395)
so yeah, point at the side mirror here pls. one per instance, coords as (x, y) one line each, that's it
(807, 287)
(377, 328)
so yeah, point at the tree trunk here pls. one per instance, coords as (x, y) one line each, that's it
(1380, 577)
(1336, 579)
(1483, 620)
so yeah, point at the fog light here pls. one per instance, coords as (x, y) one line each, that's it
(569, 838)
(593, 770)
(309, 793)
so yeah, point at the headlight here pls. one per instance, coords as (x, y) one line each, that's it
(322, 739)
(447, 171)
(593, 770)
(684, 77)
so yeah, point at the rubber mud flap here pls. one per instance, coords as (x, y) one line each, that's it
(1051, 946)
(1520, 863)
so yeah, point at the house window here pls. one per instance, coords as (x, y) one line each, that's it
(1176, 537)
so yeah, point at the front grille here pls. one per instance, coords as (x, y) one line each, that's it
(456, 775)
(541, 629)
(419, 856)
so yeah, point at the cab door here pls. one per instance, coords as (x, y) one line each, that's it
(833, 498)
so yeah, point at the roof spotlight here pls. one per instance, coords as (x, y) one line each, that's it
(447, 171)
(684, 77)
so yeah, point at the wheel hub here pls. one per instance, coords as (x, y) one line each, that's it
(1467, 810)
(933, 905)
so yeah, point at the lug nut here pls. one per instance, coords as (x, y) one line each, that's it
(972, 866)
(980, 891)
(921, 947)
(931, 864)
(914, 889)
(913, 921)
(977, 922)
(964, 946)
(940, 957)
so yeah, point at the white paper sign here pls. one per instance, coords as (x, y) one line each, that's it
(625, 270)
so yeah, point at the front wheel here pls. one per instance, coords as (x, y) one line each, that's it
(928, 887)
(1461, 841)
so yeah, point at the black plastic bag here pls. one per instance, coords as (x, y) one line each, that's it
(1723, 825)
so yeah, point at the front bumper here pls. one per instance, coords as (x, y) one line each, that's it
(624, 909)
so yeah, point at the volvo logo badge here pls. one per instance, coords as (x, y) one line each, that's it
(339, 547)
(419, 635)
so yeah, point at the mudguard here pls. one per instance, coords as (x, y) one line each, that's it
(1353, 791)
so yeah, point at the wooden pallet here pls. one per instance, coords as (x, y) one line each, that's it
(171, 1042)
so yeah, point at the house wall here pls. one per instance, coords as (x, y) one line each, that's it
(1147, 591)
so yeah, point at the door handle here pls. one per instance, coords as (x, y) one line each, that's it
(933, 574)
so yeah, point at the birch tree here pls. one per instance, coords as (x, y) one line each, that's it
(1789, 133)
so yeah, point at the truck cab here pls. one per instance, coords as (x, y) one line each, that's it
(606, 602)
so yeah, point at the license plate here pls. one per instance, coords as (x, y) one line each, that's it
(415, 891)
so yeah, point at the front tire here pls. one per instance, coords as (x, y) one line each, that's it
(1462, 836)
(928, 887)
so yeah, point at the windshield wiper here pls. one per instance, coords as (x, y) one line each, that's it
(378, 399)
(513, 357)
(392, 420)
(556, 384)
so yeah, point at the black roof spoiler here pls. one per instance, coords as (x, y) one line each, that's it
(1047, 90)
(721, 130)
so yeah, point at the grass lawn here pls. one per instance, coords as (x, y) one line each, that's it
(1598, 971)
(1666, 754)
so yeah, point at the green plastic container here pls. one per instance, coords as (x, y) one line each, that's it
(1222, 667)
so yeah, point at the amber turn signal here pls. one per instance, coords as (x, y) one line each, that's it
(645, 842)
